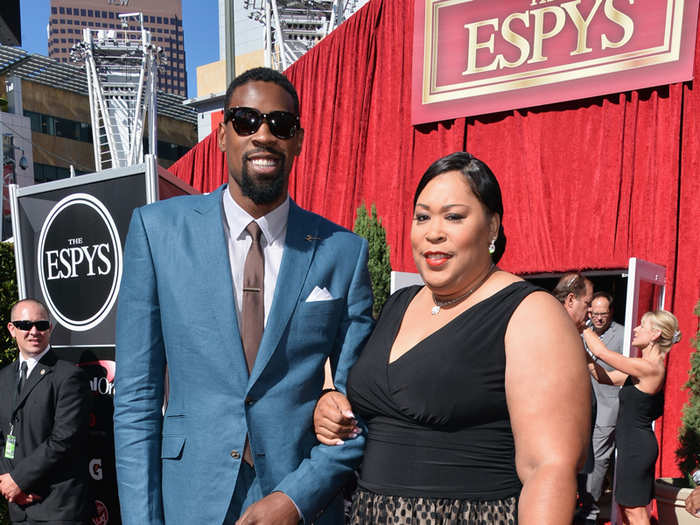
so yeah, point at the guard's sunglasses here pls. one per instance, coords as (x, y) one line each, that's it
(42, 326)
(247, 121)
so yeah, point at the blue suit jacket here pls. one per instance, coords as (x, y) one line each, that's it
(176, 306)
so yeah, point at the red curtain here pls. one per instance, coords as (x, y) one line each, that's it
(204, 166)
(586, 184)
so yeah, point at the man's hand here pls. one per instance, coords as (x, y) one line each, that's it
(8, 487)
(26, 499)
(334, 420)
(13, 493)
(692, 502)
(275, 509)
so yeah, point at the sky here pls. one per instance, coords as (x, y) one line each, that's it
(200, 21)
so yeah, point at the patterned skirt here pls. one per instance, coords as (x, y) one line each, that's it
(369, 508)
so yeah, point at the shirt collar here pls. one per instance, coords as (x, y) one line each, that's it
(272, 224)
(32, 361)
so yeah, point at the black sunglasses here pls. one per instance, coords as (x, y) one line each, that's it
(247, 121)
(42, 326)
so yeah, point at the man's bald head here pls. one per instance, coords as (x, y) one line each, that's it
(24, 302)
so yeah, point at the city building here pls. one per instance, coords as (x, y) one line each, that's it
(163, 18)
(272, 33)
(46, 129)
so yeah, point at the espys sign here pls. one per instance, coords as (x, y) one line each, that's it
(473, 57)
(79, 256)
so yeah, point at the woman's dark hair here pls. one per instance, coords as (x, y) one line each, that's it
(482, 182)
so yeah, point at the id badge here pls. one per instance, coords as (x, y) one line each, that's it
(10, 446)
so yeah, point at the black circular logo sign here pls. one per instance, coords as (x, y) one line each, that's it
(80, 262)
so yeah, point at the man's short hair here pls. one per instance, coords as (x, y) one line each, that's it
(574, 283)
(604, 295)
(28, 300)
(263, 74)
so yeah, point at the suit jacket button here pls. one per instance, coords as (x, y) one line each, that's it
(235, 454)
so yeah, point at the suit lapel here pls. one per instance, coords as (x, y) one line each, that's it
(8, 383)
(42, 369)
(299, 248)
(209, 243)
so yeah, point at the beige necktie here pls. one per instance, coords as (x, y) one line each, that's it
(253, 311)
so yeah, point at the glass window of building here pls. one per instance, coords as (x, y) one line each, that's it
(67, 128)
(47, 173)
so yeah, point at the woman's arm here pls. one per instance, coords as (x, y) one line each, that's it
(548, 393)
(624, 366)
(603, 376)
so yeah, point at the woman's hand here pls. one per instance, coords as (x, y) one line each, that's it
(334, 420)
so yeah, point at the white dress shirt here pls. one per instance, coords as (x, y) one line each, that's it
(274, 231)
(31, 362)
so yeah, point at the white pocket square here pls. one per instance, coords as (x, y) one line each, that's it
(319, 294)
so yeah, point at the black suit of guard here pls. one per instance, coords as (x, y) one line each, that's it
(50, 420)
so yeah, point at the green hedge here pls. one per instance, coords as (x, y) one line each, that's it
(8, 351)
(370, 227)
(8, 296)
(688, 453)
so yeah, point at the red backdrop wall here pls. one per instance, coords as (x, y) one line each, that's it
(586, 184)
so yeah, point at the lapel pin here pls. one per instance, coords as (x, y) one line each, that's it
(42, 371)
(312, 238)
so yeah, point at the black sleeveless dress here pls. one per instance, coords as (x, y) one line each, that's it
(637, 449)
(439, 445)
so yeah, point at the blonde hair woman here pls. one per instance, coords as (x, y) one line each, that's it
(641, 402)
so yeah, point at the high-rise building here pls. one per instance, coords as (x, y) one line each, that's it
(163, 18)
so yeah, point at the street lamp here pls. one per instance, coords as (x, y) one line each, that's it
(23, 163)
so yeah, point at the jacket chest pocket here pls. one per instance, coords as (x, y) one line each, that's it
(317, 321)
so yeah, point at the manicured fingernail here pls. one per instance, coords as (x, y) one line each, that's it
(339, 442)
(348, 413)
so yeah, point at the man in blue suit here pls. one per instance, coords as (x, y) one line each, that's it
(244, 296)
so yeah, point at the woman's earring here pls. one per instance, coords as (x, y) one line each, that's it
(492, 246)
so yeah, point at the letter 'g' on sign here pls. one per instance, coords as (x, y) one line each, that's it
(79, 261)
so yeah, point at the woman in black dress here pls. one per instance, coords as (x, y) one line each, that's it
(641, 402)
(466, 384)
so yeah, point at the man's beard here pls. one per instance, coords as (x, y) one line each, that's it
(601, 330)
(264, 191)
